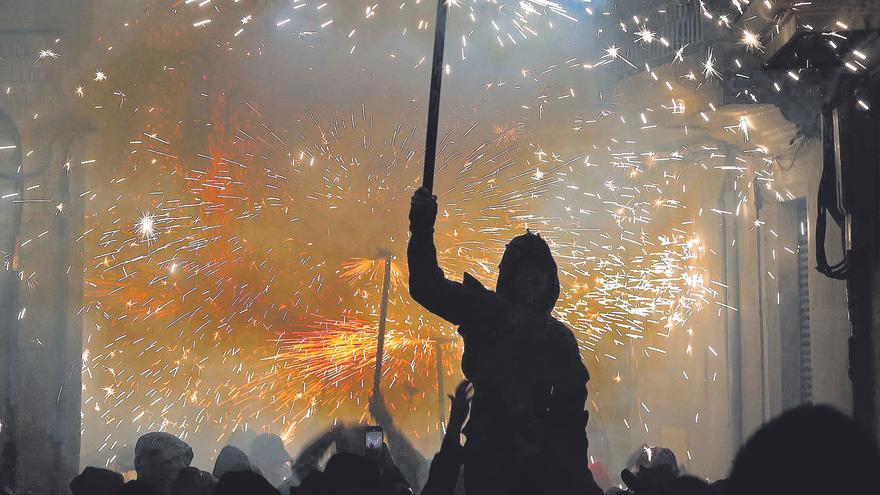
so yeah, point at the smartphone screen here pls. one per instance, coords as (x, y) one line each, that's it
(374, 438)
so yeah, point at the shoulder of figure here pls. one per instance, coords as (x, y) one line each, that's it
(565, 338)
(561, 330)
(469, 280)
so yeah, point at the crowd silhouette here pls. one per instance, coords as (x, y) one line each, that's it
(517, 423)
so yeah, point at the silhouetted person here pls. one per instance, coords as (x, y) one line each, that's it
(446, 466)
(244, 483)
(159, 458)
(307, 461)
(231, 459)
(96, 481)
(137, 487)
(807, 450)
(193, 481)
(527, 428)
(348, 441)
(271, 458)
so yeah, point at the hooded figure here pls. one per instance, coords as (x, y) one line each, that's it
(271, 458)
(527, 426)
(159, 458)
(231, 459)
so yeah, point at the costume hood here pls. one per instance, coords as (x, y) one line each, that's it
(231, 459)
(532, 248)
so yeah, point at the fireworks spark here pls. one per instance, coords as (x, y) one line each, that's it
(256, 302)
(751, 41)
(709, 70)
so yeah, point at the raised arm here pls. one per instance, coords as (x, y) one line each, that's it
(307, 461)
(446, 465)
(453, 301)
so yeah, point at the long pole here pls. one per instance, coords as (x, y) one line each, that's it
(434, 102)
(383, 316)
(438, 354)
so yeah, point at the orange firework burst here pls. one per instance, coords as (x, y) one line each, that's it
(371, 270)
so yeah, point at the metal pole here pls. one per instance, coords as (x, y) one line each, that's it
(383, 315)
(434, 102)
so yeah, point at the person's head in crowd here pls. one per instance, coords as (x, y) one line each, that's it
(527, 273)
(244, 483)
(193, 481)
(231, 459)
(271, 458)
(650, 469)
(137, 487)
(653, 458)
(807, 450)
(96, 481)
(159, 457)
(351, 474)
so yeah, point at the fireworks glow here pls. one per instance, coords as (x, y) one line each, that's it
(255, 164)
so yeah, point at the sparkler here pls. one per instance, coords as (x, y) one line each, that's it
(709, 70)
(146, 227)
(751, 41)
(645, 35)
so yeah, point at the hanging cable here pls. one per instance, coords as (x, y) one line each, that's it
(827, 201)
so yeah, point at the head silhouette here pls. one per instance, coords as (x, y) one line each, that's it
(807, 450)
(159, 458)
(270, 457)
(96, 481)
(527, 273)
(243, 483)
(231, 459)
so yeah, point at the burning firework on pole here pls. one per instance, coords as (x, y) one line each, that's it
(383, 317)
